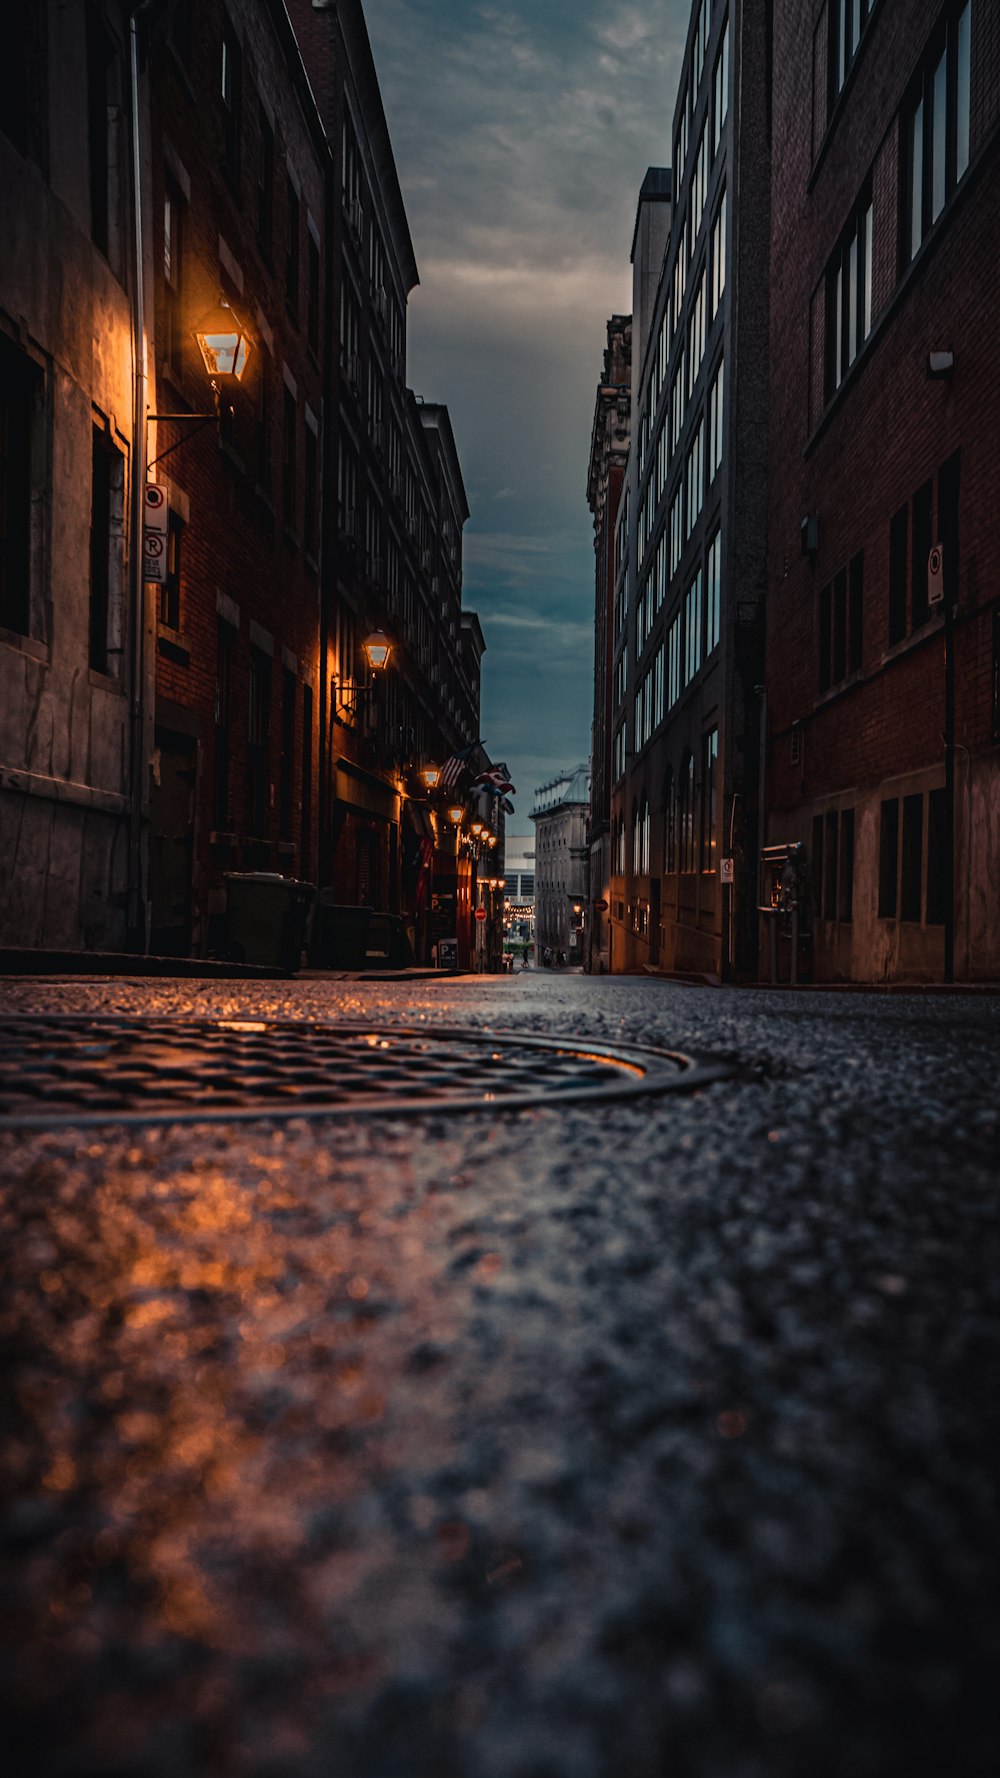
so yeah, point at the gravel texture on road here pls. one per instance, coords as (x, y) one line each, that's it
(571, 1443)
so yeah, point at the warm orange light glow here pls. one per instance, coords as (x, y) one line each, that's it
(430, 776)
(455, 814)
(223, 343)
(377, 649)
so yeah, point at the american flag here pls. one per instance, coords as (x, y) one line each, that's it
(453, 768)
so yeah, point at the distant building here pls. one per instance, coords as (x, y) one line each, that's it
(519, 889)
(606, 475)
(883, 662)
(691, 529)
(560, 815)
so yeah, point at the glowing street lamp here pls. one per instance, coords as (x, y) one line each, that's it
(377, 649)
(430, 776)
(456, 814)
(475, 828)
(223, 343)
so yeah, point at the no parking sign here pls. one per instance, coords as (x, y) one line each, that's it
(154, 533)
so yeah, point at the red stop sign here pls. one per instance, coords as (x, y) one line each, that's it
(480, 913)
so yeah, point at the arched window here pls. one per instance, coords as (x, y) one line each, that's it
(669, 822)
(685, 814)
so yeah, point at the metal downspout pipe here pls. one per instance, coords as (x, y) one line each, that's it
(136, 908)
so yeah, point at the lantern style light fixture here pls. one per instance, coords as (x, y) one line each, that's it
(475, 828)
(430, 776)
(456, 814)
(491, 839)
(223, 343)
(377, 649)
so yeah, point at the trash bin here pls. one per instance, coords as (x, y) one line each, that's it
(266, 918)
(339, 934)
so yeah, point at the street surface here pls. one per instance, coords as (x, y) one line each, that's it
(607, 1442)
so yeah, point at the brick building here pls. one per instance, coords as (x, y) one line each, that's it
(395, 507)
(690, 541)
(239, 174)
(882, 677)
(607, 469)
(560, 816)
(73, 667)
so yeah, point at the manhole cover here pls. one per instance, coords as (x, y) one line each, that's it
(65, 1070)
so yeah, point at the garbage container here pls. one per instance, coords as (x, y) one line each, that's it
(339, 934)
(266, 918)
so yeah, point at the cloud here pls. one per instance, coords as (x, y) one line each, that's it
(522, 131)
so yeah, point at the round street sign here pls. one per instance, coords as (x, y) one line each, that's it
(480, 914)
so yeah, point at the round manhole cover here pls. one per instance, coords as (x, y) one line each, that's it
(73, 1070)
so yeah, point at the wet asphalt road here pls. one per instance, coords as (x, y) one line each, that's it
(578, 1443)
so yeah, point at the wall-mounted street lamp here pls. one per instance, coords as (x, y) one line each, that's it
(225, 348)
(376, 649)
(224, 344)
(456, 814)
(430, 776)
(475, 828)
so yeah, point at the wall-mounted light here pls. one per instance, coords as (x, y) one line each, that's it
(223, 343)
(456, 814)
(430, 776)
(377, 649)
(941, 362)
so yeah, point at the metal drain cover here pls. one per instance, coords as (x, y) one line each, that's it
(78, 1070)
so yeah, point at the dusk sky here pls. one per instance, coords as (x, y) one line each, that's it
(522, 132)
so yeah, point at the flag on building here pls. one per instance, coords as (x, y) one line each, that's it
(496, 779)
(452, 769)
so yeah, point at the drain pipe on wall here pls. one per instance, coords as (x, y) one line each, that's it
(136, 908)
(761, 691)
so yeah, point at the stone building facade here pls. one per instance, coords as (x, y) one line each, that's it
(690, 541)
(561, 815)
(883, 667)
(74, 662)
(607, 470)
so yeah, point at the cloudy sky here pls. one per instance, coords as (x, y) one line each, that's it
(522, 131)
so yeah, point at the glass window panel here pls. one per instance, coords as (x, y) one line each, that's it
(939, 121)
(963, 89)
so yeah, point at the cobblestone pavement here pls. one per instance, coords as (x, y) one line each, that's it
(606, 1442)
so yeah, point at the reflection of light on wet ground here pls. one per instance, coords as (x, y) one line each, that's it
(241, 1025)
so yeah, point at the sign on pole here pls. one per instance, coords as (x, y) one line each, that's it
(480, 915)
(935, 576)
(154, 533)
(727, 871)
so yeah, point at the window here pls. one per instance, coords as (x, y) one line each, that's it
(288, 464)
(262, 454)
(888, 859)
(709, 799)
(231, 98)
(713, 593)
(845, 887)
(696, 330)
(936, 128)
(669, 823)
(20, 403)
(305, 830)
(909, 880)
(173, 278)
(937, 858)
(720, 84)
(265, 184)
(841, 618)
(618, 755)
(847, 20)
(225, 650)
(309, 530)
(921, 546)
(677, 528)
(718, 254)
(830, 864)
(715, 418)
(849, 294)
(107, 524)
(170, 589)
(898, 543)
(674, 662)
(101, 149)
(312, 294)
(696, 476)
(292, 250)
(287, 764)
(692, 629)
(659, 667)
(685, 812)
(258, 744)
(640, 839)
